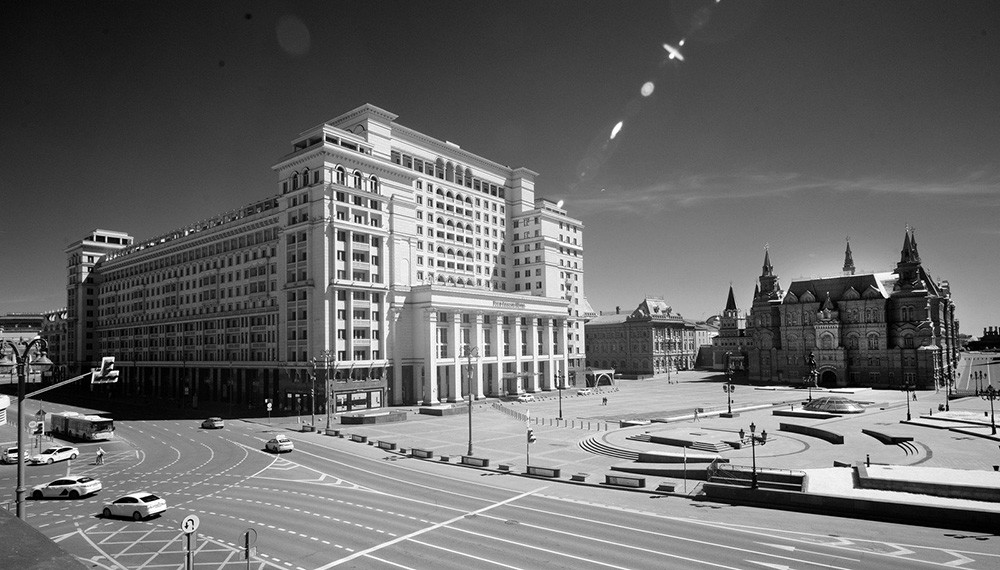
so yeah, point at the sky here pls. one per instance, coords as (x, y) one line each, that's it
(786, 124)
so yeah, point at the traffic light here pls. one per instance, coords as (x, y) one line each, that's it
(39, 429)
(531, 436)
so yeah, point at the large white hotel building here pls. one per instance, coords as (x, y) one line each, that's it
(386, 257)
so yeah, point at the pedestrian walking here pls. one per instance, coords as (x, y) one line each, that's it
(914, 396)
(100, 456)
(696, 414)
(604, 401)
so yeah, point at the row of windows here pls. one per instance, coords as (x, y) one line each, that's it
(446, 171)
(336, 175)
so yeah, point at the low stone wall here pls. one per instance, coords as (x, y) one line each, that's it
(444, 410)
(373, 418)
(832, 437)
(670, 457)
(904, 513)
(951, 491)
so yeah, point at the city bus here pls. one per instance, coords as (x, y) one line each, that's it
(79, 426)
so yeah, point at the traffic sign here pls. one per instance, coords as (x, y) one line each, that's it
(190, 524)
(32, 424)
(269, 406)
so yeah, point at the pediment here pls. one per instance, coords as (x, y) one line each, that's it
(851, 294)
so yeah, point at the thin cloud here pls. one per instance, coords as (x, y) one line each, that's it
(697, 190)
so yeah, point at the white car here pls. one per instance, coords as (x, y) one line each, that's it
(526, 398)
(136, 506)
(213, 423)
(53, 454)
(279, 444)
(71, 487)
(584, 392)
(9, 455)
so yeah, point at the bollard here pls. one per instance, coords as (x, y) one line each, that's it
(868, 460)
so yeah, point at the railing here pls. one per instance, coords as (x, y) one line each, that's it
(554, 422)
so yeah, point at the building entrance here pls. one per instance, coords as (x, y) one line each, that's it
(829, 378)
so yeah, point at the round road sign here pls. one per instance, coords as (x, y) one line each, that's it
(32, 424)
(190, 524)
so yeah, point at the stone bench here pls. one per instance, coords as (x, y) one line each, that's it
(543, 471)
(386, 445)
(832, 437)
(625, 481)
(475, 461)
(359, 438)
(421, 453)
(886, 438)
(579, 477)
(504, 467)
(666, 487)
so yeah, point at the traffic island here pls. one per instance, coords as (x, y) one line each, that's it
(373, 417)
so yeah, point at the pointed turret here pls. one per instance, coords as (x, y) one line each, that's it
(769, 288)
(907, 253)
(731, 301)
(908, 269)
(768, 270)
(848, 260)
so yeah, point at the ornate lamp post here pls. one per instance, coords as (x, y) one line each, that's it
(469, 352)
(907, 388)
(991, 394)
(812, 374)
(753, 451)
(561, 379)
(23, 361)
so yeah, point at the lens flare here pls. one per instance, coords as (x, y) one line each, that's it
(674, 52)
(647, 89)
(618, 127)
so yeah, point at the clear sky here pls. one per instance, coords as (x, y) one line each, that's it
(787, 123)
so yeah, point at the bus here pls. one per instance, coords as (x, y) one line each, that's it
(79, 426)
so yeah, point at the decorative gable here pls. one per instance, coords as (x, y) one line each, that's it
(851, 294)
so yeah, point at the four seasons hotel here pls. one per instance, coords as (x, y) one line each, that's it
(397, 265)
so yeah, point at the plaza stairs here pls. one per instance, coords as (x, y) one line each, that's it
(594, 445)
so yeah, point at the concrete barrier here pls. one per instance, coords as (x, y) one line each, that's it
(666, 487)
(936, 516)
(832, 437)
(475, 461)
(625, 481)
(504, 467)
(386, 445)
(543, 471)
(579, 477)
(359, 438)
(421, 453)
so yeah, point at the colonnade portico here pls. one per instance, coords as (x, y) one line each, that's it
(497, 339)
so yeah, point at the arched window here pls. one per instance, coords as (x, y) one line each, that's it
(341, 176)
(873, 342)
(826, 341)
(357, 180)
(295, 181)
(468, 178)
(439, 168)
(305, 177)
(449, 172)
(908, 341)
(373, 185)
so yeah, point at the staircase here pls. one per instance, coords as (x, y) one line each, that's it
(594, 445)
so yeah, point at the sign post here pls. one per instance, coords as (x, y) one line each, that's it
(249, 538)
(189, 526)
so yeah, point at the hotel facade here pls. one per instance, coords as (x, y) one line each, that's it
(391, 268)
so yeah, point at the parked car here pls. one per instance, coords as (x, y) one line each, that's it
(213, 423)
(584, 392)
(526, 398)
(71, 487)
(136, 506)
(278, 444)
(9, 455)
(53, 454)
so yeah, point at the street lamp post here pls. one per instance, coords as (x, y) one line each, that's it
(907, 388)
(729, 388)
(812, 374)
(561, 378)
(991, 394)
(23, 361)
(753, 451)
(470, 351)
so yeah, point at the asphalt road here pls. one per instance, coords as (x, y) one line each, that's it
(336, 503)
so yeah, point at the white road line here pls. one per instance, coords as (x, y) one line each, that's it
(427, 529)
(101, 552)
(466, 554)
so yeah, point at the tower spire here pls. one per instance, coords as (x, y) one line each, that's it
(768, 270)
(848, 259)
(731, 302)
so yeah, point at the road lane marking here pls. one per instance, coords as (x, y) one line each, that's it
(427, 529)
(466, 554)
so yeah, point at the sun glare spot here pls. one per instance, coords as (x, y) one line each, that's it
(647, 89)
(618, 127)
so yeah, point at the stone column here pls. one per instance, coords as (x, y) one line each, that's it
(455, 381)
(533, 381)
(498, 351)
(429, 388)
(397, 362)
(550, 356)
(477, 363)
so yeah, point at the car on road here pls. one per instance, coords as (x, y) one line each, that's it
(9, 455)
(584, 392)
(53, 454)
(213, 423)
(526, 398)
(69, 487)
(136, 506)
(278, 444)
